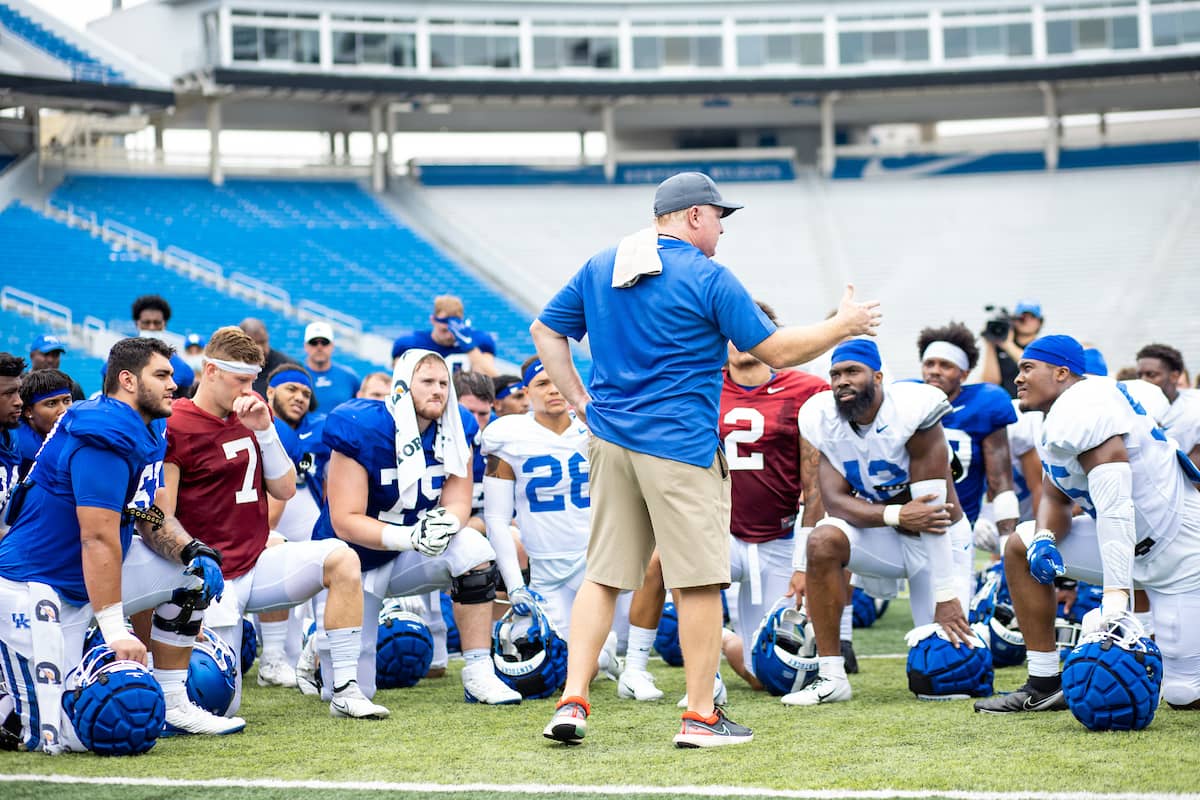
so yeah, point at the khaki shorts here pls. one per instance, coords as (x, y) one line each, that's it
(640, 502)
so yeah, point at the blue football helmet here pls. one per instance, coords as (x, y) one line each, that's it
(784, 656)
(453, 640)
(937, 670)
(866, 609)
(1068, 625)
(528, 653)
(403, 649)
(1112, 679)
(116, 707)
(249, 645)
(1003, 636)
(212, 673)
(666, 640)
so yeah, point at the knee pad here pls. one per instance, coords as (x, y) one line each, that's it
(177, 622)
(475, 587)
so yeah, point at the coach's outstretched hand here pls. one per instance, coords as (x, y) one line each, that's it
(858, 319)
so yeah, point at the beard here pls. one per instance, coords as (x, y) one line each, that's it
(151, 405)
(852, 408)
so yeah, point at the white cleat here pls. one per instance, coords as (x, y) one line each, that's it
(720, 694)
(822, 690)
(352, 703)
(276, 672)
(185, 717)
(638, 684)
(609, 662)
(486, 688)
(308, 677)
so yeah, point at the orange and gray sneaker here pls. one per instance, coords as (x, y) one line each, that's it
(715, 731)
(569, 723)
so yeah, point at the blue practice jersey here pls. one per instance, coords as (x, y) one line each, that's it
(10, 462)
(455, 354)
(306, 448)
(29, 441)
(979, 410)
(100, 455)
(363, 430)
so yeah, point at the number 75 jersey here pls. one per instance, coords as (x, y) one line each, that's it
(551, 469)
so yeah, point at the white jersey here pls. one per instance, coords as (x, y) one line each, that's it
(1182, 420)
(551, 492)
(874, 460)
(1088, 414)
(1023, 436)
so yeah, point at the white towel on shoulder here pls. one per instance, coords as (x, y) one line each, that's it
(637, 255)
(450, 441)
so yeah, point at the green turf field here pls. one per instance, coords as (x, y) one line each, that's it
(883, 739)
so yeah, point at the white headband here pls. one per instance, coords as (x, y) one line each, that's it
(236, 367)
(949, 352)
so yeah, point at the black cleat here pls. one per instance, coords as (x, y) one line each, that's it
(850, 658)
(1026, 698)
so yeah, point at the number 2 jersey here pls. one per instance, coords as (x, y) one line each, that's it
(874, 459)
(99, 455)
(760, 431)
(363, 430)
(551, 492)
(1085, 416)
(222, 499)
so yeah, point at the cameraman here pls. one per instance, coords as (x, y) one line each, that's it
(1003, 344)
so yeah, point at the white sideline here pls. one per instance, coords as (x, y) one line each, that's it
(615, 789)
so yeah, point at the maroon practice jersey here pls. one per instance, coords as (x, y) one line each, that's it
(761, 435)
(222, 493)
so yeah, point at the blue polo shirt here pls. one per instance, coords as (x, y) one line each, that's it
(333, 387)
(658, 347)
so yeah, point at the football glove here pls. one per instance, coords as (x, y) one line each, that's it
(524, 600)
(1045, 562)
(987, 535)
(431, 536)
(461, 328)
(209, 571)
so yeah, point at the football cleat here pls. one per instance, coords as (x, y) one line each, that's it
(350, 702)
(716, 731)
(273, 672)
(637, 684)
(1026, 698)
(849, 657)
(720, 694)
(822, 690)
(485, 687)
(609, 662)
(185, 717)
(569, 723)
(308, 665)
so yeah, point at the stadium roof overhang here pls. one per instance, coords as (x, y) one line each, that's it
(33, 90)
(260, 99)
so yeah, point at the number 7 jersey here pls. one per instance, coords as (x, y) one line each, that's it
(551, 469)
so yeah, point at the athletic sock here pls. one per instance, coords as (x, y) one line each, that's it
(847, 632)
(832, 667)
(172, 682)
(637, 656)
(344, 644)
(1043, 670)
(274, 639)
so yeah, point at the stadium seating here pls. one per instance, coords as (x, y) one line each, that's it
(17, 334)
(1082, 242)
(84, 66)
(329, 242)
(94, 278)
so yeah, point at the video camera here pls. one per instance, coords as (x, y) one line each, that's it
(996, 329)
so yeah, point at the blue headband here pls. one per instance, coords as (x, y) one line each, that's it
(291, 376)
(864, 351)
(534, 370)
(1059, 350)
(37, 398)
(507, 390)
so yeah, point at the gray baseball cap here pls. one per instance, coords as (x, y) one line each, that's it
(689, 189)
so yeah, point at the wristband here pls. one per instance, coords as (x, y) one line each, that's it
(800, 553)
(1006, 506)
(111, 621)
(198, 548)
(275, 460)
(891, 515)
(944, 595)
(397, 537)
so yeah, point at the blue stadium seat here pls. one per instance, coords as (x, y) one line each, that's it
(325, 241)
(84, 66)
(18, 332)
